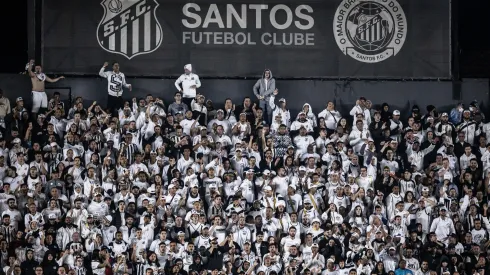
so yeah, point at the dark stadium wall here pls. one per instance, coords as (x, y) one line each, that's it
(400, 95)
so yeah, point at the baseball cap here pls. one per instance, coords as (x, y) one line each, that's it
(19, 99)
(316, 220)
(396, 113)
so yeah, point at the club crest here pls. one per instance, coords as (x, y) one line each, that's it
(129, 27)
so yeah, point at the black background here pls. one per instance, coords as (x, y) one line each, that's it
(426, 52)
(472, 48)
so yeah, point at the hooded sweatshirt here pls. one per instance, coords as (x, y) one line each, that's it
(28, 266)
(264, 87)
(310, 115)
(49, 267)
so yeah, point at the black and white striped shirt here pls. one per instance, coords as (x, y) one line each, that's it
(129, 152)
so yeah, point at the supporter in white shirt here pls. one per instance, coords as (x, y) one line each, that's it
(442, 226)
(188, 83)
(332, 117)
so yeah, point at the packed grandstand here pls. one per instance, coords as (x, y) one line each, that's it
(143, 186)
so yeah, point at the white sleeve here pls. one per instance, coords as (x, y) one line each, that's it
(124, 83)
(177, 83)
(433, 226)
(323, 114)
(103, 73)
(198, 81)
(353, 111)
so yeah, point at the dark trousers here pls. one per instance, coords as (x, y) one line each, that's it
(267, 110)
(187, 101)
(114, 103)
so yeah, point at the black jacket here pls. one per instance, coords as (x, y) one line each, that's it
(29, 267)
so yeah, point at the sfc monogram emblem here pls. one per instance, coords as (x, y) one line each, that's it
(129, 27)
(370, 31)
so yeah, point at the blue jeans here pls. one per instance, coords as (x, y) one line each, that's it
(266, 107)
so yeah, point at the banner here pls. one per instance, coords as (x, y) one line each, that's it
(239, 38)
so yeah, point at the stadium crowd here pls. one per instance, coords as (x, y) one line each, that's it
(187, 187)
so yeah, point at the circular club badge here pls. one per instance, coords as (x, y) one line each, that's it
(370, 31)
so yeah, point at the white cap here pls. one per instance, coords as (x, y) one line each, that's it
(52, 217)
(267, 188)
(396, 113)
(266, 172)
(16, 140)
(170, 186)
(188, 67)
(316, 220)
(108, 218)
(302, 168)
(281, 202)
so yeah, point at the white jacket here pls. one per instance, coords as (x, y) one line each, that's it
(276, 110)
(442, 228)
(358, 110)
(188, 80)
(356, 139)
(331, 118)
(469, 129)
(417, 158)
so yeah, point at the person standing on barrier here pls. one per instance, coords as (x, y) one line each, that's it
(263, 90)
(115, 83)
(187, 84)
(39, 98)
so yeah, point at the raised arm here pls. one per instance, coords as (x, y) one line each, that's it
(102, 70)
(29, 68)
